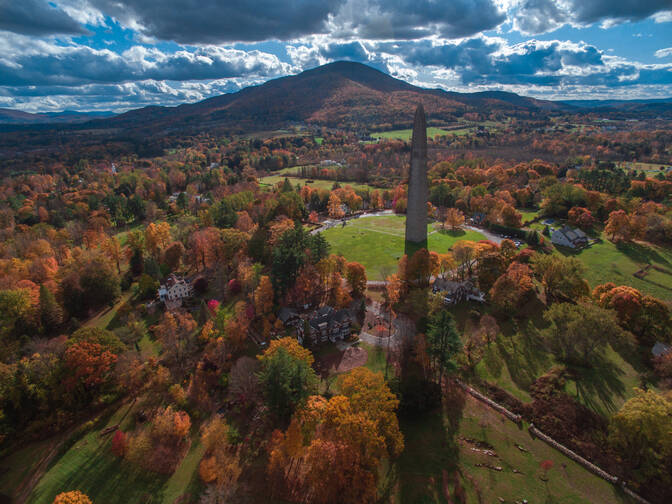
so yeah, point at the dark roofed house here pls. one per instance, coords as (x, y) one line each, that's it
(660, 349)
(569, 237)
(457, 292)
(322, 325)
(328, 324)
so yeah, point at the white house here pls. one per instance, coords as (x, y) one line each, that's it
(568, 237)
(174, 291)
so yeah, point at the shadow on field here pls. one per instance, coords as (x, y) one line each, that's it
(428, 469)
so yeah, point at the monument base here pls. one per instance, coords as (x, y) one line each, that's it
(411, 247)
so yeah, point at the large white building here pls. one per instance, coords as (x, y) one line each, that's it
(174, 291)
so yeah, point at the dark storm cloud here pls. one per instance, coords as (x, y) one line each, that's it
(480, 55)
(539, 16)
(36, 17)
(77, 65)
(619, 10)
(216, 21)
(470, 53)
(413, 19)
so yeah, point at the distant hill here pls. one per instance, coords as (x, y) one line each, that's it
(11, 116)
(340, 94)
(621, 104)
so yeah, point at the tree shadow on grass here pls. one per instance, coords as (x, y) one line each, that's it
(599, 384)
(524, 357)
(454, 233)
(641, 253)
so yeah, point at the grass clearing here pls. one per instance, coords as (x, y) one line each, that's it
(406, 134)
(610, 262)
(272, 180)
(568, 482)
(90, 467)
(441, 447)
(377, 242)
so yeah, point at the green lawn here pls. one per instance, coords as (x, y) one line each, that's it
(376, 358)
(90, 467)
(567, 482)
(406, 134)
(610, 262)
(271, 180)
(378, 242)
(441, 449)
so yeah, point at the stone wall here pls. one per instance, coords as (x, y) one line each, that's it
(518, 420)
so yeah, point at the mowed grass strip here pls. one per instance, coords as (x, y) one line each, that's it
(377, 242)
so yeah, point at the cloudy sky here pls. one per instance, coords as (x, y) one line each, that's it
(123, 54)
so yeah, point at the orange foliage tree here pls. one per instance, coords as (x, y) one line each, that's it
(263, 296)
(73, 497)
(356, 276)
(347, 437)
(454, 218)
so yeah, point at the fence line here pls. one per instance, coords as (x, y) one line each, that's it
(518, 420)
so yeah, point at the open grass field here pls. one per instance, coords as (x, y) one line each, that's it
(89, 466)
(514, 362)
(611, 262)
(378, 242)
(439, 447)
(649, 168)
(271, 180)
(567, 482)
(406, 134)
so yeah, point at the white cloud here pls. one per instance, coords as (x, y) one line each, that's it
(663, 53)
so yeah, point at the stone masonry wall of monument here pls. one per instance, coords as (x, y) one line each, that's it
(416, 213)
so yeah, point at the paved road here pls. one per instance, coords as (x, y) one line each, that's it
(488, 234)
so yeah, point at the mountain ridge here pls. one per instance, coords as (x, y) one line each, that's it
(338, 94)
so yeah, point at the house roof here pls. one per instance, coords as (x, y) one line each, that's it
(572, 234)
(286, 314)
(660, 349)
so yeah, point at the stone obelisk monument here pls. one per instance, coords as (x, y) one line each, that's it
(418, 192)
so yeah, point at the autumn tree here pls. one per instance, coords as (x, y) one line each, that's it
(112, 248)
(263, 296)
(454, 219)
(347, 436)
(356, 276)
(640, 433)
(73, 497)
(334, 207)
(577, 333)
(619, 226)
(221, 465)
(645, 316)
(157, 238)
(172, 256)
(512, 289)
(118, 445)
(176, 333)
(89, 365)
(561, 277)
(581, 218)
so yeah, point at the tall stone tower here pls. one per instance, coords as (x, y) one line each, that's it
(418, 192)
